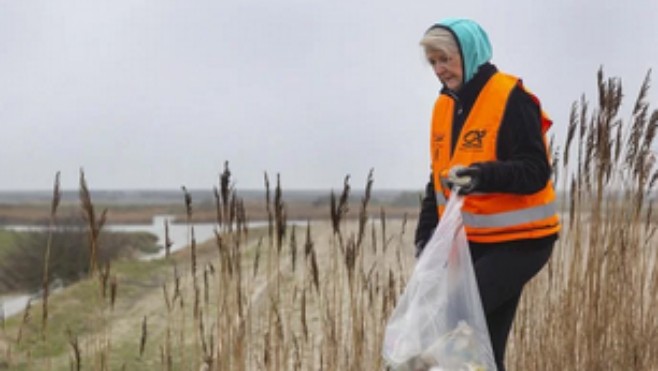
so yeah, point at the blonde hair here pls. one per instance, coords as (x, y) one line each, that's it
(439, 39)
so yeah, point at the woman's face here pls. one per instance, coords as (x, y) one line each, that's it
(447, 67)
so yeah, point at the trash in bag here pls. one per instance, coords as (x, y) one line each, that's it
(438, 323)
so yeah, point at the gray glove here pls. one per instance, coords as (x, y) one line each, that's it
(468, 179)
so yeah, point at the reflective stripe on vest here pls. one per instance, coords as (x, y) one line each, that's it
(509, 218)
(440, 199)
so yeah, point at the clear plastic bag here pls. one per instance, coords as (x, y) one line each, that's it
(438, 323)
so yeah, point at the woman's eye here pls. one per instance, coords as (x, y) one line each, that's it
(440, 60)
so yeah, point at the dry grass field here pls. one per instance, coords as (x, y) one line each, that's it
(248, 300)
(317, 295)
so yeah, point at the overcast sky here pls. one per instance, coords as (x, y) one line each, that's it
(147, 94)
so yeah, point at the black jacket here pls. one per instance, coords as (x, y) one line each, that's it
(522, 164)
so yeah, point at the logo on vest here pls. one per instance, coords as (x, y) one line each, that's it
(439, 137)
(473, 139)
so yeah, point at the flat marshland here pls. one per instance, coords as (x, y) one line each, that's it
(316, 295)
(243, 284)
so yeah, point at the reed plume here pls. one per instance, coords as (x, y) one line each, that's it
(94, 223)
(340, 207)
(45, 286)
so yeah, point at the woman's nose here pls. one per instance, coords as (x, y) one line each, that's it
(438, 68)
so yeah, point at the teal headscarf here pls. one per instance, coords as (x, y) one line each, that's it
(473, 43)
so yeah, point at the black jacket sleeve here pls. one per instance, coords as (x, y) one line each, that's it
(428, 218)
(522, 166)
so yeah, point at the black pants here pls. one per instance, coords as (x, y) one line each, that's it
(502, 269)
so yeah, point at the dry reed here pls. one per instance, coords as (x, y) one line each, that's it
(325, 307)
(143, 337)
(590, 310)
(94, 223)
(45, 287)
(76, 361)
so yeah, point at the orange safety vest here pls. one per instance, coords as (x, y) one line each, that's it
(488, 217)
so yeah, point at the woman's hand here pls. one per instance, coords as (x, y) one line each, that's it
(467, 178)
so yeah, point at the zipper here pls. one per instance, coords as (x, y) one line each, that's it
(458, 104)
(459, 111)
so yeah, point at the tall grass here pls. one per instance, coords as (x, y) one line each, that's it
(317, 296)
(593, 308)
(323, 311)
(46, 265)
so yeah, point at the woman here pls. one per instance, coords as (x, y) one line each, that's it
(488, 136)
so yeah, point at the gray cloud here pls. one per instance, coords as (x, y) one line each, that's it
(154, 94)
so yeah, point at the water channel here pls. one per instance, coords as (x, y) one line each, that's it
(179, 235)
